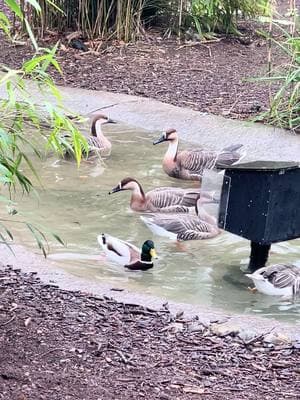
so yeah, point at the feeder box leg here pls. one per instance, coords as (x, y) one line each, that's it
(258, 256)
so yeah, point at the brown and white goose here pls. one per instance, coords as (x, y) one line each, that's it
(182, 226)
(278, 280)
(190, 164)
(97, 141)
(164, 199)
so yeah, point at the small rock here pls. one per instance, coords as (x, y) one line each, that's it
(196, 327)
(247, 335)
(224, 329)
(277, 338)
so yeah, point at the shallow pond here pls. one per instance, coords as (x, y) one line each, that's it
(75, 204)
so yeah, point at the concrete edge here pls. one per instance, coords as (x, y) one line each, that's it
(247, 327)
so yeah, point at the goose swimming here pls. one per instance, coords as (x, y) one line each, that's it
(184, 226)
(97, 141)
(277, 280)
(190, 164)
(127, 254)
(164, 199)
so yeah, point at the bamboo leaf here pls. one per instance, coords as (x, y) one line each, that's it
(14, 6)
(55, 6)
(58, 239)
(8, 232)
(31, 35)
(4, 241)
(35, 4)
(10, 75)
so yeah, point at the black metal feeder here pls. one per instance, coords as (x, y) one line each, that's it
(260, 201)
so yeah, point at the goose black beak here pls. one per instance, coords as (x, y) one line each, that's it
(115, 190)
(111, 121)
(160, 140)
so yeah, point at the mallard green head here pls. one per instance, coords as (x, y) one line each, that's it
(148, 251)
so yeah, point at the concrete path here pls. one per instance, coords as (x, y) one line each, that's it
(261, 142)
(211, 131)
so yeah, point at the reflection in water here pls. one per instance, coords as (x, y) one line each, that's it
(75, 204)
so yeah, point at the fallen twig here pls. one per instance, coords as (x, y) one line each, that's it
(9, 321)
(50, 351)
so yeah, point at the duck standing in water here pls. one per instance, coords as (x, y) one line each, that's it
(277, 280)
(184, 227)
(127, 254)
(164, 199)
(190, 164)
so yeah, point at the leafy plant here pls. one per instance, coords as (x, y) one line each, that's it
(18, 111)
(124, 19)
(222, 15)
(120, 19)
(284, 110)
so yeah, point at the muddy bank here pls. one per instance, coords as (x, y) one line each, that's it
(60, 344)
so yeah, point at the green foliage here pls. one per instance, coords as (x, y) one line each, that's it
(222, 15)
(119, 19)
(123, 19)
(284, 108)
(20, 111)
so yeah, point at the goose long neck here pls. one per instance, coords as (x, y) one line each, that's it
(96, 129)
(97, 132)
(172, 150)
(137, 192)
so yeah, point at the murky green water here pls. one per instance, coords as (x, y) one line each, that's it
(76, 205)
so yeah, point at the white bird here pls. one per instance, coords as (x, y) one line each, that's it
(277, 280)
(190, 164)
(127, 254)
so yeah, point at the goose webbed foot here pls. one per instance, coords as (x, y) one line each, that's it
(252, 290)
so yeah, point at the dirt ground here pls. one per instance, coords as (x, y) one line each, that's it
(56, 344)
(209, 77)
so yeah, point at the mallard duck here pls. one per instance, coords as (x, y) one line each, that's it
(277, 280)
(164, 199)
(127, 254)
(190, 164)
(184, 227)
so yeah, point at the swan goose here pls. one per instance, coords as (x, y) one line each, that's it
(97, 141)
(164, 199)
(184, 226)
(277, 280)
(190, 164)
